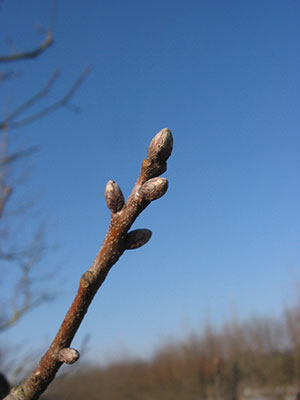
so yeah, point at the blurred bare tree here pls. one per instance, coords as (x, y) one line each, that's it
(256, 358)
(21, 254)
(292, 318)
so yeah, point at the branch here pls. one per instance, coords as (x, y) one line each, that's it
(18, 155)
(4, 197)
(46, 43)
(6, 75)
(148, 187)
(30, 102)
(27, 305)
(9, 121)
(24, 298)
(31, 253)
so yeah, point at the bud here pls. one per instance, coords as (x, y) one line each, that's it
(137, 238)
(161, 145)
(113, 196)
(153, 189)
(68, 355)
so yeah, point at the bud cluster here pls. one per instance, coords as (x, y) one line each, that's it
(150, 185)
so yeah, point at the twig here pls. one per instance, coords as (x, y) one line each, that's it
(148, 187)
(18, 155)
(4, 197)
(9, 120)
(27, 305)
(24, 298)
(30, 102)
(47, 42)
(6, 75)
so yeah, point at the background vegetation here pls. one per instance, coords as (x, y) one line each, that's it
(257, 358)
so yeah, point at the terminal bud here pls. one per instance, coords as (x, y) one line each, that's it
(160, 147)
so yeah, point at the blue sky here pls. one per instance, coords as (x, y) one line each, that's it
(224, 77)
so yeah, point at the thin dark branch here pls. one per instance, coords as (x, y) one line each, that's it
(18, 155)
(4, 197)
(24, 298)
(18, 256)
(29, 254)
(6, 75)
(47, 42)
(19, 312)
(30, 102)
(47, 110)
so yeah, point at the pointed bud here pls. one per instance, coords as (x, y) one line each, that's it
(153, 189)
(137, 238)
(113, 196)
(161, 145)
(68, 355)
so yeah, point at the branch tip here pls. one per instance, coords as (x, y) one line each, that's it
(161, 146)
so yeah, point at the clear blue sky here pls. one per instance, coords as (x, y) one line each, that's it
(224, 77)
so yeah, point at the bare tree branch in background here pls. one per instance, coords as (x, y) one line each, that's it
(20, 256)
(149, 187)
(6, 75)
(11, 121)
(24, 296)
(43, 46)
(46, 43)
(24, 257)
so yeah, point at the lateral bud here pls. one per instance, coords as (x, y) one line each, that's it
(113, 196)
(68, 355)
(137, 238)
(160, 147)
(153, 189)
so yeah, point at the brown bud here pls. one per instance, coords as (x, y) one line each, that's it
(153, 189)
(68, 355)
(161, 145)
(137, 238)
(113, 196)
